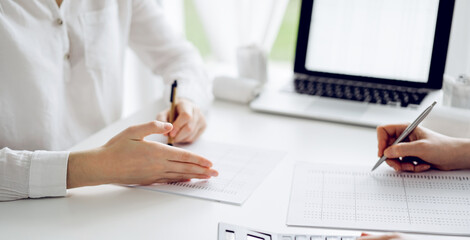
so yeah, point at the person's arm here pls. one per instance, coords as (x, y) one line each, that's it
(437, 150)
(173, 57)
(125, 159)
(129, 159)
(27, 174)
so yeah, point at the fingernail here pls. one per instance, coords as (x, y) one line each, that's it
(173, 134)
(168, 126)
(421, 168)
(214, 173)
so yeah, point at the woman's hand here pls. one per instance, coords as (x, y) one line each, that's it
(438, 151)
(190, 123)
(128, 159)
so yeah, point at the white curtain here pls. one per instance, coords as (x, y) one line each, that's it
(141, 86)
(230, 24)
(458, 57)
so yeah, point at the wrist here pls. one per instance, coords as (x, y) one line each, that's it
(84, 169)
(463, 156)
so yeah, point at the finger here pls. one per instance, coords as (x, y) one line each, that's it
(167, 180)
(138, 132)
(381, 237)
(196, 135)
(394, 163)
(382, 139)
(163, 117)
(408, 167)
(179, 176)
(193, 138)
(188, 130)
(387, 134)
(422, 167)
(202, 127)
(418, 164)
(395, 130)
(375, 238)
(406, 149)
(189, 168)
(185, 114)
(181, 155)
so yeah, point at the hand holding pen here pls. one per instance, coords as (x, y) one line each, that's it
(188, 120)
(407, 131)
(424, 149)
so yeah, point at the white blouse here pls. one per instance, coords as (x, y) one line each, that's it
(61, 79)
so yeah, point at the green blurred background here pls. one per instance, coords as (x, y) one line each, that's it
(283, 48)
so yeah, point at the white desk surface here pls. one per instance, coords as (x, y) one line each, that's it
(115, 212)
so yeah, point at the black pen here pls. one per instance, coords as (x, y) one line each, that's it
(173, 108)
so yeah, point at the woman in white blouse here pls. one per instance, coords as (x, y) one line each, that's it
(61, 80)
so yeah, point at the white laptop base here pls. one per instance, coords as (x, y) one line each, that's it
(287, 102)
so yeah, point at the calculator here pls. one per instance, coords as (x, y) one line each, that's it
(233, 232)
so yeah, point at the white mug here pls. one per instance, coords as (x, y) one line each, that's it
(457, 91)
(252, 63)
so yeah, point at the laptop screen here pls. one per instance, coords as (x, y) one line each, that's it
(373, 38)
(384, 41)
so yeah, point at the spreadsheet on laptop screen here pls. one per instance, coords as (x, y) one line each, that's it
(390, 39)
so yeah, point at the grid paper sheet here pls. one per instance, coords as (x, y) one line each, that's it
(241, 170)
(351, 197)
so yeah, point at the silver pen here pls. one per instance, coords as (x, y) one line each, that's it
(407, 132)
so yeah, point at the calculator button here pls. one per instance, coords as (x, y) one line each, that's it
(333, 238)
(300, 237)
(348, 238)
(250, 237)
(229, 235)
(287, 238)
(317, 238)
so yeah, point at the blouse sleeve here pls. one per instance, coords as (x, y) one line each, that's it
(26, 174)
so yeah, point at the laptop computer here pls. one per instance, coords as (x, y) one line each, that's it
(365, 62)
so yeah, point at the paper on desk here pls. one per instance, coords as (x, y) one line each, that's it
(355, 198)
(241, 171)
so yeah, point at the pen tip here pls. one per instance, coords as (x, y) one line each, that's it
(434, 103)
(376, 166)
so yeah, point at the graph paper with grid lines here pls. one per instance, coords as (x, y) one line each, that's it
(355, 198)
(241, 170)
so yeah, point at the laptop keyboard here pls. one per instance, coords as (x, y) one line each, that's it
(335, 89)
